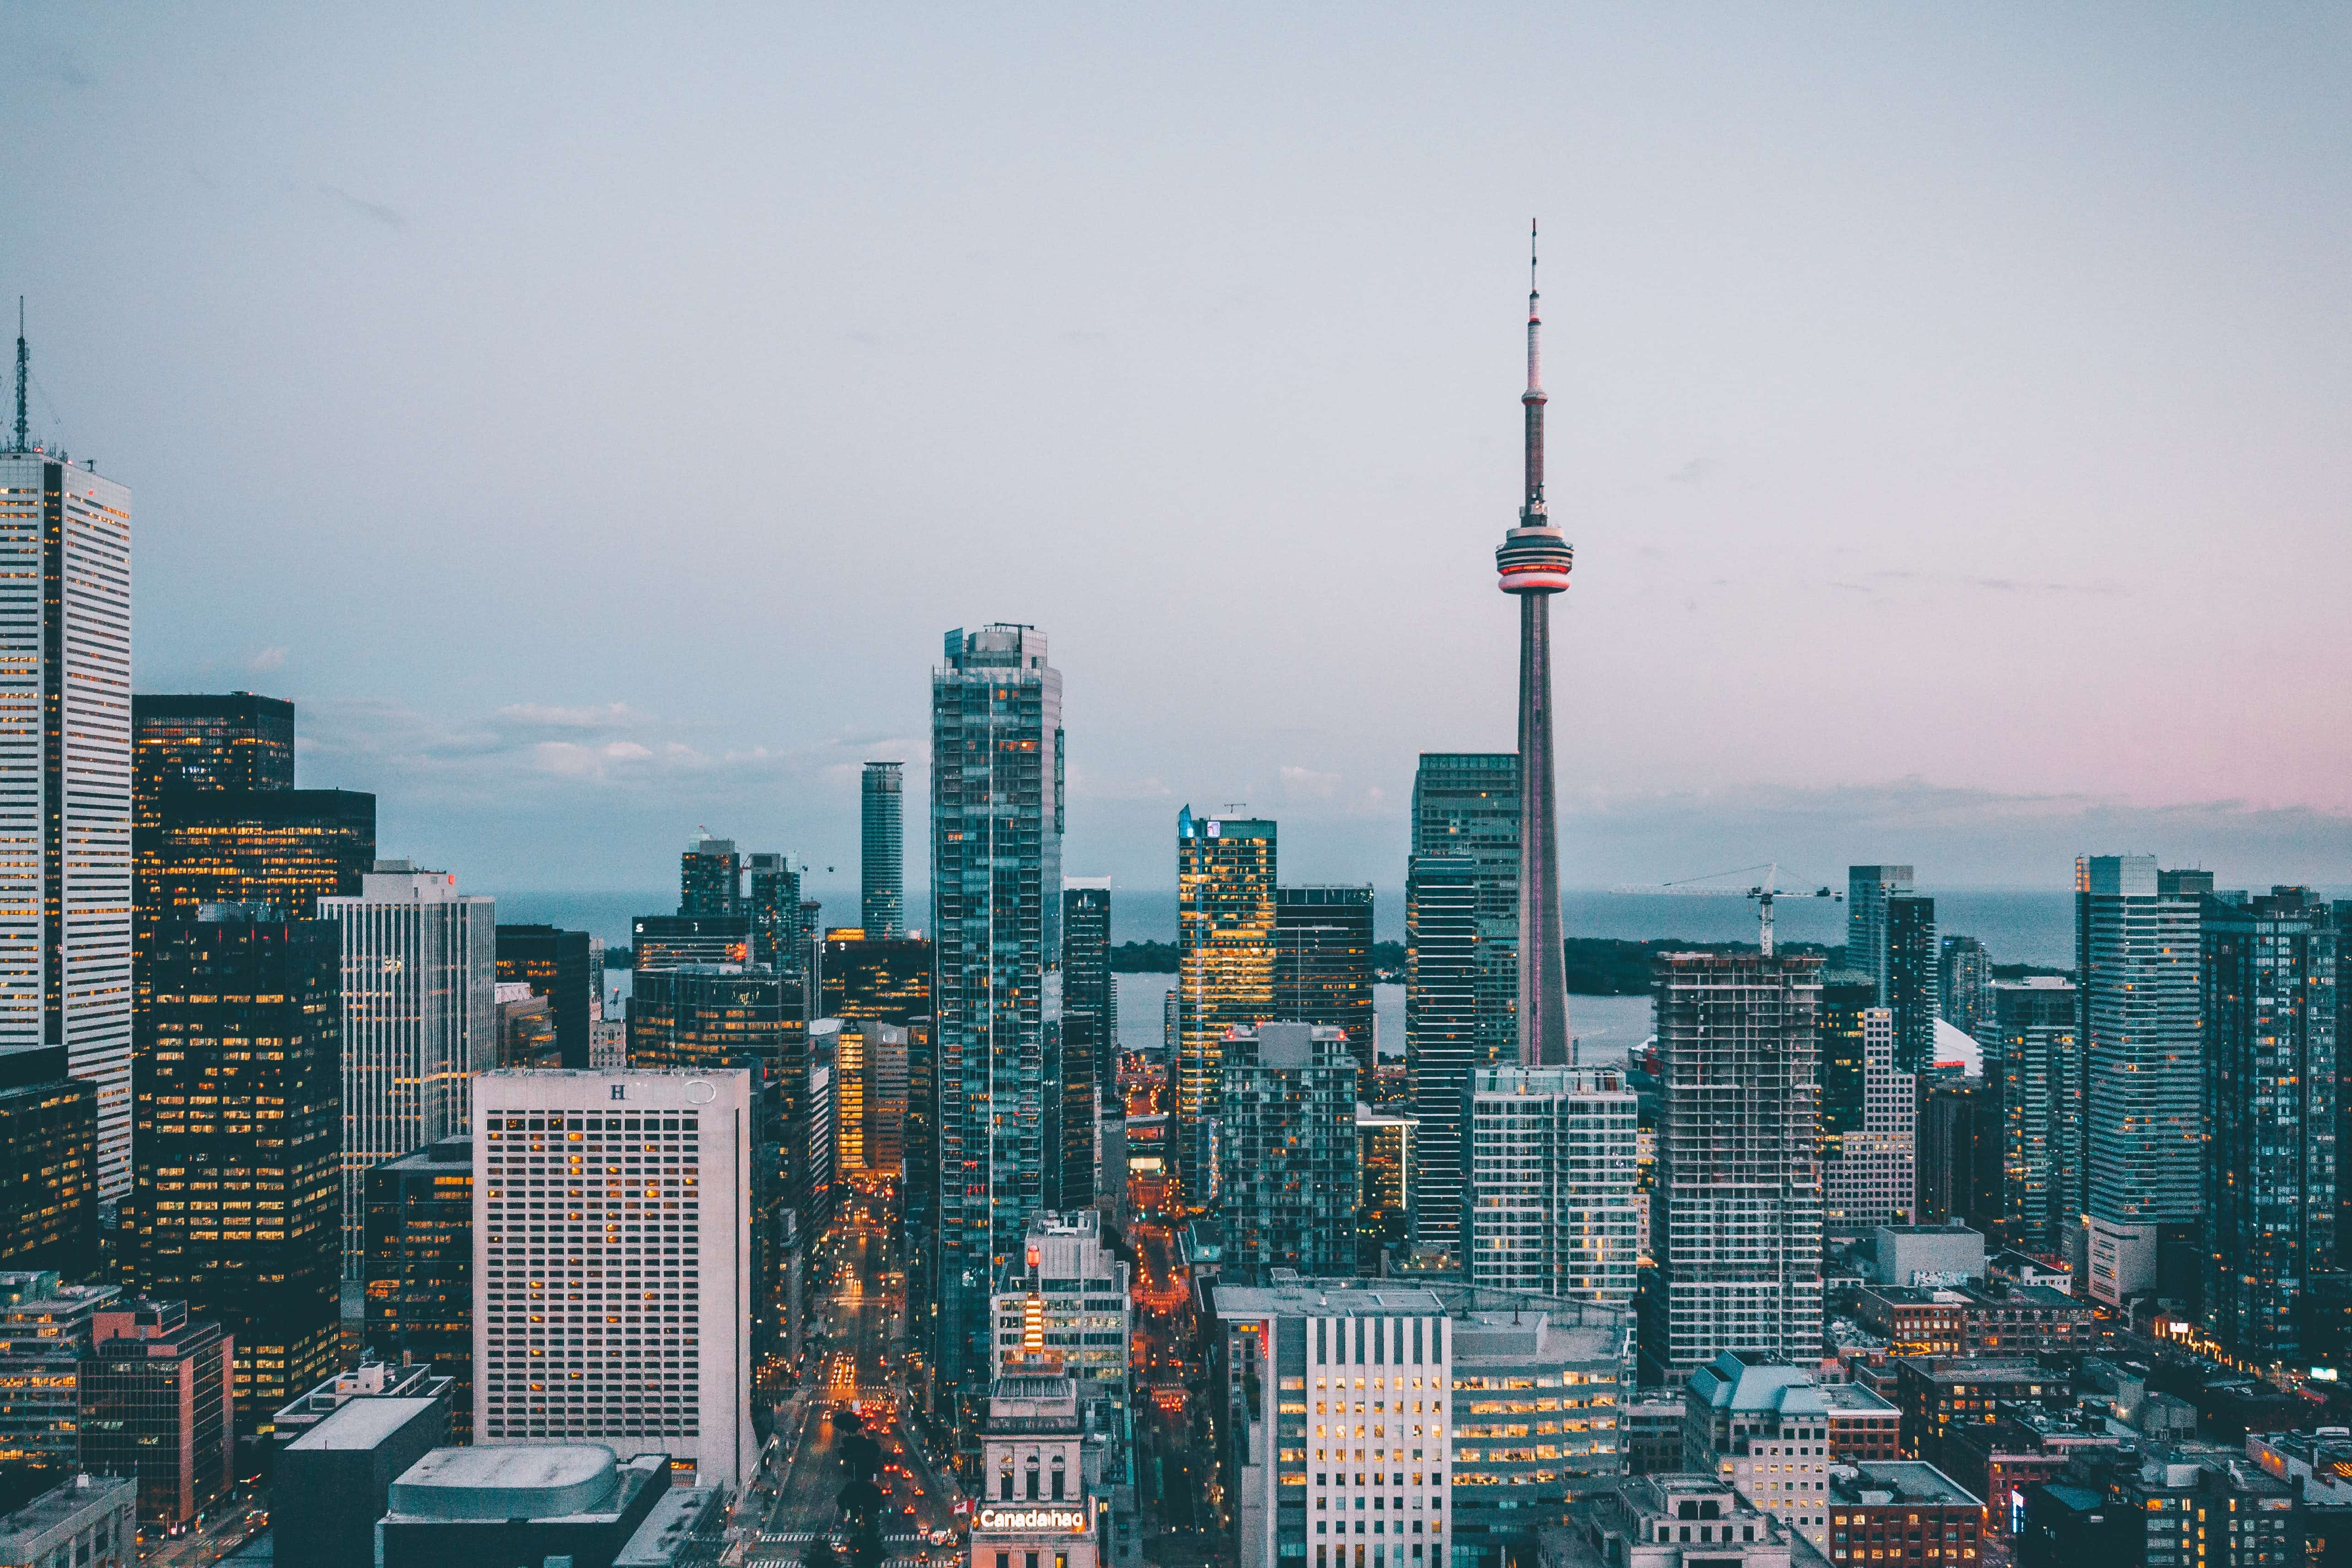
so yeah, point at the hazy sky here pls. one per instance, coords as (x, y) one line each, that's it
(593, 418)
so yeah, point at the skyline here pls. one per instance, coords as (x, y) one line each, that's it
(2062, 328)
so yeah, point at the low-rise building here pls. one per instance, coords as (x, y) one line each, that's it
(2026, 1268)
(1673, 1521)
(90, 1521)
(2028, 1446)
(45, 1331)
(1914, 1320)
(519, 1503)
(1034, 1511)
(1902, 1511)
(2215, 1511)
(157, 1402)
(1940, 1395)
(1863, 1423)
(1944, 1254)
(369, 1380)
(1761, 1425)
(333, 1483)
(1650, 1431)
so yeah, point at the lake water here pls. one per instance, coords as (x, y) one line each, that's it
(1605, 1027)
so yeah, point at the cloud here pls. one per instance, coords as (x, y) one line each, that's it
(541, 715)
(1306, 784)
(391, 217)
(1696, 471)
(267, 658)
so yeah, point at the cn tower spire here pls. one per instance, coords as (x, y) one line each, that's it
(1532, 565)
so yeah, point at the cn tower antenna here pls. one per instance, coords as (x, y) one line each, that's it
(24, 374)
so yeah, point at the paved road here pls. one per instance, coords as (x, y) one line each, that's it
(225, 1528)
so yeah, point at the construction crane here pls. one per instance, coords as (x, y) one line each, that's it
(1762, 892)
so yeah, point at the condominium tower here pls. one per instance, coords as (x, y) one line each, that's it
(1287, 1119)
(420, 1020)
(2034, 1087)
(1323, 966)
(1224, 972)
(65, 788)
(1867, 888)
(996, 877)
(882, 851)
(1872, 1178)
(1089, 994)
(1549, 1188)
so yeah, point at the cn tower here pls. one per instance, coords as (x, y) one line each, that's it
(1533, 564)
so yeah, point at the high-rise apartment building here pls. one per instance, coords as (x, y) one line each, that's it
(882, 851)
(237, 1151)
(555, 964)
(2271, 1109)
(710, 878)
(621, 1315)
(420, 1268)
(888, 978)
(1287, 1136)
(1867, 890)
(1443, 1044)
(1736, 1205)
(1959, 1155)
(1089, 996)
(1550, 1190)
(1872, 1179)
(1842, 1075)
(232, 741)
(65, 789)
(1912, 992)
(1323, 967)
(1224, 973)
(1467, 803)
(2033, 1091)
(2142, 1178)
(1385, 1157)
(1964, 970)
(996, 870)
(420, 1020)
(772, 901)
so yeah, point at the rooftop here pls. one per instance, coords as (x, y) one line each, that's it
(1304, 1297)
(1744, 1382)
(512, 1480)
(363, 1422)
(1898, 1481)
(1536, 1337)
(679, 1513)
(62, 1504)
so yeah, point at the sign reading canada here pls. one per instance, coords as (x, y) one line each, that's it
(1070, 1518)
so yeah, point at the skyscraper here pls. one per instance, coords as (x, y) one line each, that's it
(49, 1168)
(2033, 1087)
(1224, 972)
(1548, 1184)
(420, 1020)
(231, 741)
(1872, 1179)
(2271, 1110)
(1323, 966)
(1532, 565)
(1842, 1075)
(773, 903)
(664, 941)
(1287, 1108)
(709, 877)
(420, 1267)
(1089, 996)
(1467, 803)
(65, 788)
(1964, 970)
(555, 964)
(996, 870)
(1910, 990)
(237, 1149)
(882, 851)
(1867, 888)
(884, 978)
(1443, 1044)
(660, 1361)
(1735, 1203)
(2142, 1180)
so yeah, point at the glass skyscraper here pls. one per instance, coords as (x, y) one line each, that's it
(1467, 803)
(996, 877)
(1089, 996)
(882, 851)
(1224, 973)
(1323, 967)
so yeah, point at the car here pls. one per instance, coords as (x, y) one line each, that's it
(908, 1509)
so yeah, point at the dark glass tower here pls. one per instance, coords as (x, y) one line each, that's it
(1912, 993)
(882, 851)
(1089, 996)
(1846, 996)
(420, 1267)
(554, 965)
(235, 740)
(1441, 1038)
(884, 979)
(1532, 565)
(774, 908)
(236, 1141)
(1323, 967)
(48, 1165)
(710, 879)
(1467, 803)
(288, 848)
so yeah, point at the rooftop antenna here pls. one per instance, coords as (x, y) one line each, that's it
(24, 375)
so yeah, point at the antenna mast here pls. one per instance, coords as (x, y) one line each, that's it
(24, 375)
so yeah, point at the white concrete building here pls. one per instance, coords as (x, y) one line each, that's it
(1870, 1180)
(1065, 1309)
(1550, 1184)
(420, 1020)
(612, 1263)
(64, 781)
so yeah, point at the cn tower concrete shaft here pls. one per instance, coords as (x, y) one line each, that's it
(1543, 964)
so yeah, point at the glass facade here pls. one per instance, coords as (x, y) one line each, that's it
(2032, 1076)
(235, 740)
(555, 964)
(1323, 967)
(49, 1173)
(155, 1406)
(1224, 974)
(1287, 1137)
(882, 851)
(1467, 803)
(420, 1268)
(710, 879)
(1089, 996)
(886, 979)
(1443, 895)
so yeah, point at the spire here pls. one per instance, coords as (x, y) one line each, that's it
(24, 374)
(1532, 509)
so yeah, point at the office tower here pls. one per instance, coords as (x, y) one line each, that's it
(1964, 971)
(157, 1404)
(235, 740)
(996, 866)
(1384, 1156)
(48, 1165)
(1842, 1075)
(887, 979)
(1323, 967)
(1069, 1293)
(1532, 565)
(1872, 1179)
(810, 938)
(665, 941)
(882, 851)
(853, 1095)
(2271, 1110)
(1467, 803)
(419, 1223)
(2034, 1111)
(1867, 888)
(1736, 1209)
(561, 965)
(1287, 1115)
(1089, 994)
(1224, 972)
(44, 1333)
(1548, 1182)
(420, 1020)
(238, 1147)
(1911, 991)
(774, 902)
(2140, 1184)
(284, 847)
(711, 1018)
(1959, 1157)
(65, 793)
(710, 878)
(1442, 1042)
(659, 1255)
(526, 1027)
(1068, 1138)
